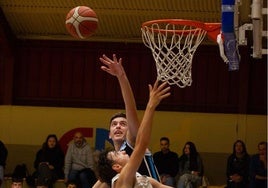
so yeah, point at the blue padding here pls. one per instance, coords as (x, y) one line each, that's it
(228, 2)
(227, 22)
(227, 9)
(231, 50)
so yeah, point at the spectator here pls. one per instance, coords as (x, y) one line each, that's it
(79, 163)
(16, 182)
(238, 166)
(3, 158)
(71, 185)
(258, 167)
(167, 163)
(49, 162)
(40, 185)
(190, 167)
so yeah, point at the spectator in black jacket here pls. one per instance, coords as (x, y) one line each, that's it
(167, 163)
(258, 167)
(49, 162)
(3, 158)
(238, 166)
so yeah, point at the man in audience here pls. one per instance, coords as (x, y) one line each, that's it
(167, 162)
(79, 162)
(258, 167)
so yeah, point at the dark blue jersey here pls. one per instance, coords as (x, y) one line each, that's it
(147, 166)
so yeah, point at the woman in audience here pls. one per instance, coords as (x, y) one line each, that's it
(49, 162)
(238, 166)
(190, 167)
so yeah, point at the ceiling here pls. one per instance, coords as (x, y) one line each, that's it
(119, 20)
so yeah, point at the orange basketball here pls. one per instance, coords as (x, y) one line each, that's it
(81, 22)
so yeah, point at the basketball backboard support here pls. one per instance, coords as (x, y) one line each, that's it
(257, 27)
(233, 33)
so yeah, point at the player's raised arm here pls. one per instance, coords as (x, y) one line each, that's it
(128, 173)
(114, 67)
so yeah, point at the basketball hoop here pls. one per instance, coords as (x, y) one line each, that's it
(173, 43)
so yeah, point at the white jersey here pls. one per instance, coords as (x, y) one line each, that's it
(141, 181)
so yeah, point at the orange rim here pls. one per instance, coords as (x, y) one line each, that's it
(213, 29)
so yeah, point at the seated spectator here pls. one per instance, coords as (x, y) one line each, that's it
(190, 167)
(49, 162)
(238, 166)
(258, 167)
(16, 182)
(79, 162)
(167, 163)
(41, 185)
(3, 158)
(71, 185)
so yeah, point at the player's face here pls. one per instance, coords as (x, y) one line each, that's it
(118, 129)
(51, 142)
(119, 157)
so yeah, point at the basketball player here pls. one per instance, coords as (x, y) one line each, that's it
(124, 128)
(116, 167)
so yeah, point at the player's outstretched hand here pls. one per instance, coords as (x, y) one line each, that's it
(157, 93)
(112, 66)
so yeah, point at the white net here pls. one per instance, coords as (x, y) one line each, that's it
(173, 46)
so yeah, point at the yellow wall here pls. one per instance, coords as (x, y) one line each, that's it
(214, 133)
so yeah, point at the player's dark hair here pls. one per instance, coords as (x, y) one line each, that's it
(119, 114)
(104, 168)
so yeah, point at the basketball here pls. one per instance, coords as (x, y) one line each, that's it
(81, 22)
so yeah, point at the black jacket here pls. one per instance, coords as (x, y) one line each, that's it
(3, 154)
